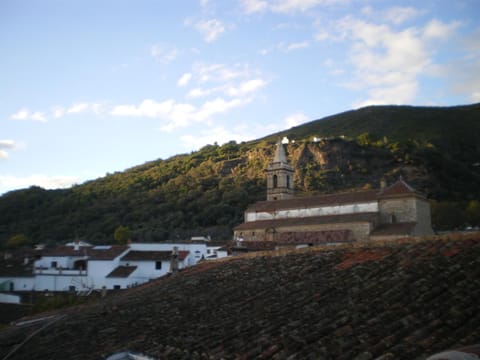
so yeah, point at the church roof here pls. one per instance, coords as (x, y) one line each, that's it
(398, 189)
(280, 156)
(312, 201)
(311, 220)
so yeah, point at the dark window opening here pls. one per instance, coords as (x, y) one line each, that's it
(288, 181)
(275, 181)
(53, 264)
(158, 265)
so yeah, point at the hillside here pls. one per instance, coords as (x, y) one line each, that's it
(205, 192)
(403, 300)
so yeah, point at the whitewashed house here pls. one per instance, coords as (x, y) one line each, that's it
(81, 267)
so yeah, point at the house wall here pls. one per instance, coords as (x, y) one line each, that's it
(197, 250)
(314, 211)
(99, 269)
(20, 283)
(56, 282)
(146, 270)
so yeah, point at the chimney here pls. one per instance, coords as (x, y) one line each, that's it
(174, 260)
(76, 245)
(383, 184)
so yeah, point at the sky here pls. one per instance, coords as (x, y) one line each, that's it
(91, 87)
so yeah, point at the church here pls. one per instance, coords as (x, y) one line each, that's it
(387, 213)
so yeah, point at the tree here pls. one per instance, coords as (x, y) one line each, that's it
(17, 241)
(122, 235)
(472, 212)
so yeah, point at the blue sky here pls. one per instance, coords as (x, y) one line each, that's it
(96, 86)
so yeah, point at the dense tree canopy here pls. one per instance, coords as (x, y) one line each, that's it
(206, 192)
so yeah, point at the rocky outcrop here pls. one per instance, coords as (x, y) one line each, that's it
(405, 300)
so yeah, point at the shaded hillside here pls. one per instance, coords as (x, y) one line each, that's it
(206, 192)
(390, 301)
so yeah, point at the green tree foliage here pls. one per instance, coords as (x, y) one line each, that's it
(17, 241)
(122, 235)
(472, 213)
(206, 192)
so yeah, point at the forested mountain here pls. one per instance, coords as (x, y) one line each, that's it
(205, 192)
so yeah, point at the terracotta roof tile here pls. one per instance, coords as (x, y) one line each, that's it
(109, 253)
(399, 188)
(389, 300)
(405, 228)
(138, 255)
(122, 271)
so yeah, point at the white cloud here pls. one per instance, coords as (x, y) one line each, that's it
(398, 14)
(435, 29)
(175, 114)
(184, 79)
(298, 45)
(210, 29)
(21, 114)
(246, 87)
(58, 112)
(38, 116)
(284, 6)
(5, 146)
(387, 62)
(25, 114)
(164, 54)
(295, 119)
(78, 108)
(8, 183)
(252, 6)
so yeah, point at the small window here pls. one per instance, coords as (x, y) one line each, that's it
(275, 181)
(116, 287)
(54, 264)
(288, 181)
(158, 265)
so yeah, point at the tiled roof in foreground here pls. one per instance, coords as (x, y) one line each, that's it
(403, 300)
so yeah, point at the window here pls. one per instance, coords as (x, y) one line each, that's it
(275, 181)
(116, 287)
(158, 265)
(53, 264)
(288, 181)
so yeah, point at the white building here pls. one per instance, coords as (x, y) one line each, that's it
(85, 268)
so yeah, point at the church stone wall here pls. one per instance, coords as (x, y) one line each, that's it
(360, 230)
(314, 211)
(424, 220)
(403, 209)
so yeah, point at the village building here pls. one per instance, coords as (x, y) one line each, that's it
(389, 212)
(83, 268)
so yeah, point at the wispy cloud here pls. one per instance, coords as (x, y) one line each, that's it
(25, 114)
(5, 147)
(295, 119)
(210, 29)
(184, 79)
(388, 62)
(284, 6)
(164, 54)
(47, 182)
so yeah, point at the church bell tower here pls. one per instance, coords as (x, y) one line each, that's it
(279, 176)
